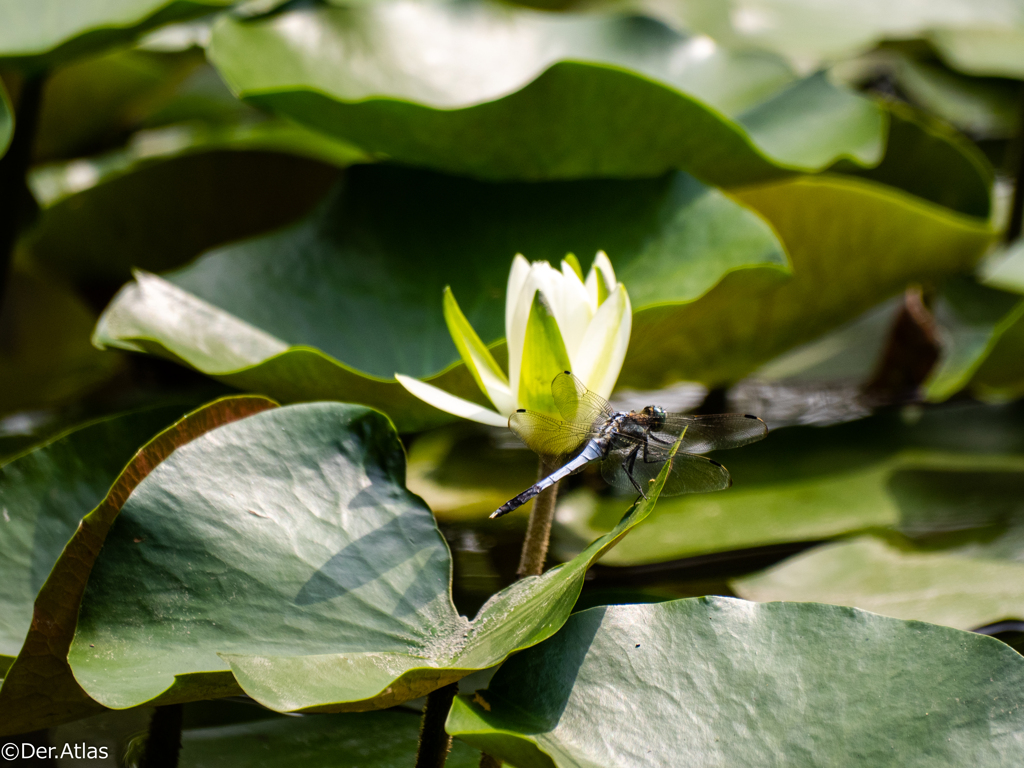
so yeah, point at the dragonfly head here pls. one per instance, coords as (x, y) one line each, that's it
(655, 415)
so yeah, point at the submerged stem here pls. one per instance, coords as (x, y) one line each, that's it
(435, 743)
(538, 530)
(164, 741)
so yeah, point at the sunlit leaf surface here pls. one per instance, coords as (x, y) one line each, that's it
(37, 33)
(981, 38)
(717, 681)
(501, 93)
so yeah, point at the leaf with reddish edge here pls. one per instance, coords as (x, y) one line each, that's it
(39, 689)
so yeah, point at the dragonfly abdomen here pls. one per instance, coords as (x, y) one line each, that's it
(595, 449)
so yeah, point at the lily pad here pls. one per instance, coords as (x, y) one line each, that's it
(368, 269)
(851, 244)
(303, 573)
(999, 374)
(981, 38)
(43, 496)
(927, 158)
(495, 92)
(174, 192)
(952, 470)
(385, 739)
(40, 33)
(53, 548)
(939, 587)
(972, 319)
(718, 681)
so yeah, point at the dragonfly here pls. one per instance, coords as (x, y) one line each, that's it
(631, 446)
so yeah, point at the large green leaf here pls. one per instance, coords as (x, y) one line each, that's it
(45, 355)
(175, 192)
(717, 681)
(359, 284)
(501, 93)
(44, 497)
(1001, 375)
(93, 103)
(301, 570)
(972, 319)
(927, 158)
(40, 33)
(851, 243)
(982, 37)
(943, 588)
(954, 469)
(367, 739)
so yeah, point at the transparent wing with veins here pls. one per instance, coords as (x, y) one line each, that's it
(546, 436)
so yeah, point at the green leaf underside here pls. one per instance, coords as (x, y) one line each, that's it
(526, 95)
(374, 261)
(544, 357)
(82, 473)
(956, 469)
(851, 244)
(719, 681)
(328, 595)
(942, 588)
(972, 318)
(367, 739)
(40, 33)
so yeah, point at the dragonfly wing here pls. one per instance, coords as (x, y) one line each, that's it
(547, 436)
(714, 432)
(576, 403)
(690, 473)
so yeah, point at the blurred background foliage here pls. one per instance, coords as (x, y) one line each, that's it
(815, 207)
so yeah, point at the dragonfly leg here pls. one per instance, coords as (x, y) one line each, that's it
(627, 465)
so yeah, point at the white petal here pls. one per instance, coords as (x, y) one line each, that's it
(600, 272)
(540, 277)
(516, 279)
(449, 403)
(603, 350)
(576, 313)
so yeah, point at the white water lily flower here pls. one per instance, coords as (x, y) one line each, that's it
(554, 321)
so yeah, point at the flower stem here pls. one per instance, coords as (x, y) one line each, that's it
(435, 743)
(538, 530)
(164, 741)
